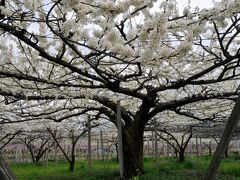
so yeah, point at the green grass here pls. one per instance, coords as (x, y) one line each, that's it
(166, 168)
(192, 169)
(39, 171)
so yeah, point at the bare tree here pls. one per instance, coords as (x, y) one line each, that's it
(178, 145)
(38, 143)
(7, 138)
(74, 135)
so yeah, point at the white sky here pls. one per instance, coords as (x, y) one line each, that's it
(181, 4)
(200, 3)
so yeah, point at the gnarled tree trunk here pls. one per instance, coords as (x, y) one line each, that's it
(132, 152)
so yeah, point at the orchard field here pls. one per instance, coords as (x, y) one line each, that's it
(166, 168)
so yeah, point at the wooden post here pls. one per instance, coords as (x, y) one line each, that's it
(163, 151)
(167, 146)
(152, 144)
(120, 146)
(55, 148)
(156, 141)
(235, 144)
(5, 171)
(89, 145)
(191, 147)
(47, 154)
(238, 146)
(103, 153)
(148, 147)
(144, 148)
(197, 146)
(17, 154)
(201, 150)
(97, 149)
(210, 148)
(225, 139)
(21, 154)
(77, 152)
(55, 152)
(107, 149)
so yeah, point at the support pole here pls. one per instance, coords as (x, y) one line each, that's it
(168, 147)
(17, 154)
(103, 153)
(156, 141)
(201, 150)
(191, 147)
(238, 146)
(47, 154)
(225, 139)
(153, 144)
(148, 147)
(20, 154)
(120, 146)
(197, 147)
(107, 149)
(89, 145)
(97, 149)
(163, 151)
(55, 148)
(210, 148)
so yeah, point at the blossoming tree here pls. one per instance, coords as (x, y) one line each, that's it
(63, 58)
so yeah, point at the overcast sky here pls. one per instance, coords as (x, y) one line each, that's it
(194, 3)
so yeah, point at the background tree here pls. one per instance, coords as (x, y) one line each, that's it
(179, 145)
(73, 133)
(7, 137)
(37, 143)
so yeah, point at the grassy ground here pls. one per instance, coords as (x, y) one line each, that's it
(166, 168)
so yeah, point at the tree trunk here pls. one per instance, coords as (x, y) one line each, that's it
(226, 153)
(72, 160)
(37, 158)
(181, 156)
(176, 153)
(32, 155)
(73, 157)
(71, 165)
(210, 149)
(132, 152)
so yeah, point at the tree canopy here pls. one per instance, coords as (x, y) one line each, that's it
(61, 59)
